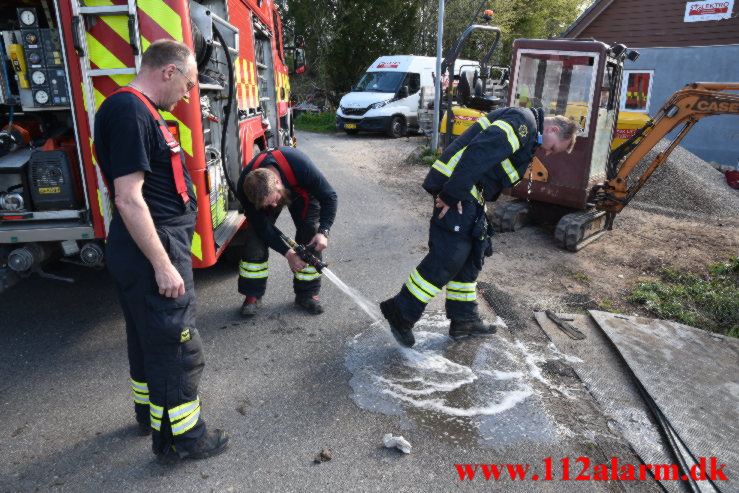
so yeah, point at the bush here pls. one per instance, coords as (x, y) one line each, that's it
(710, 302)
(317, 122)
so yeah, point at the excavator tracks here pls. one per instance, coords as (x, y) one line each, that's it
(511, 216)
(578, 229)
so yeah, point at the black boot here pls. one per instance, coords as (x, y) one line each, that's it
(311, 303)
(400, 327)
(213, 443)
(476, 327)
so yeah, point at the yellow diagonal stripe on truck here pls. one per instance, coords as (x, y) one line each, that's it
(163, 15)
(101, 56)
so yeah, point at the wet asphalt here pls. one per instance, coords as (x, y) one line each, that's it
(286, 384)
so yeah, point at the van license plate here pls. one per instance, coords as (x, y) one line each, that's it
(350, 125)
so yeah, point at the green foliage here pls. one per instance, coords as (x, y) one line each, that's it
(317, 122)
(342, 37)
(710, 302)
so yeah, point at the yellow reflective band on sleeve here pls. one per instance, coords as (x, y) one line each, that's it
(510, 170)
(510, 134)
(461, 291)
(420, 288)
(253, 271)
(484, 122)
(448, 169)
(197, 246)
(442, 168)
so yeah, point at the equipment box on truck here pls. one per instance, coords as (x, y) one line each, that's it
(60, 59)
(387, 96)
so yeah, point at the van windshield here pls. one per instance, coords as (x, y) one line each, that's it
(379, 82)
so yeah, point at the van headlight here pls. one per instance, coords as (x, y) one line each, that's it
(379, 104)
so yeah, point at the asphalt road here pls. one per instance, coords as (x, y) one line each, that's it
(287, 384)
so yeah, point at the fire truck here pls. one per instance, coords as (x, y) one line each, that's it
(62, 58)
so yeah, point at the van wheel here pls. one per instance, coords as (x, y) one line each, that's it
(351, 131)
(397, 127)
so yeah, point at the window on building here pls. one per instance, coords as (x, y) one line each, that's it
(637, 89)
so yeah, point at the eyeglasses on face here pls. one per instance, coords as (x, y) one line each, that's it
(190, 84)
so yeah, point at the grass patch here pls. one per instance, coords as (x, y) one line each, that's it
(580, 277)
(317, 122)
(710, 302)
(607, 305)
(429, 156)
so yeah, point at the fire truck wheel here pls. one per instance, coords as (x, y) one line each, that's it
(396, 128)
(255, 150)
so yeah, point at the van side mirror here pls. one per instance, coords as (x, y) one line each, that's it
(403, 92)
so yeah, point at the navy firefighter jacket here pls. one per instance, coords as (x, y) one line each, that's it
(308, 178)
(492, 154)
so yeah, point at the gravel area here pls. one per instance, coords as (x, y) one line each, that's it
(685, 186)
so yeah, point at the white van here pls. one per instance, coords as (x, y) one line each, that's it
(387, 96)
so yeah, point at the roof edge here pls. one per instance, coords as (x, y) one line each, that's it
(598, 4)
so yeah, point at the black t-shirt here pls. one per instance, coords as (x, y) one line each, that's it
(127, 140)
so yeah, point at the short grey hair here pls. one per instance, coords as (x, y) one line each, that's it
(165, 51)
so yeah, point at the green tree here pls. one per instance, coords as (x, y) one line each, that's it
(344, 36)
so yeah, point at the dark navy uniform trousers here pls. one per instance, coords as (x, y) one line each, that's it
(452, 261)
(165, 351)
(254, 265)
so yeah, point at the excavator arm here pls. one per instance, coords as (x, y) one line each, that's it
(684, 109)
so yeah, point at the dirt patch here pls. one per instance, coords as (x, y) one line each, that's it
(684, 220)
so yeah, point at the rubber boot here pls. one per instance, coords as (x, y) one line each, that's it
(311, 303)
(477, 327)
(401, 329)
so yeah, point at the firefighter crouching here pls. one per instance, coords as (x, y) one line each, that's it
(491, 155)
(272, 180)
(148, 252)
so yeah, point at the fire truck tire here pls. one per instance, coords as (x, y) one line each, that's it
(255, 150)
(397, 127)
(511, 216)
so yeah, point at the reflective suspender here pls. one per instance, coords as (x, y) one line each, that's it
(174, 146)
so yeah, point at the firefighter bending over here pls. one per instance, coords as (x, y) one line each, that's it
(491, 155)
(148, 252)
(272, 180)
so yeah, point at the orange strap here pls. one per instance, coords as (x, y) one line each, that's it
(174, 146)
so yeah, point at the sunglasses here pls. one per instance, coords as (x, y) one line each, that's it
(190, 84)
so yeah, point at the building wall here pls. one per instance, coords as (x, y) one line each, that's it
(714, 138)
(653, 23)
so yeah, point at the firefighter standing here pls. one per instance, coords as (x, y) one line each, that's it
(273, 179)
(491, 155)
(148, 252)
